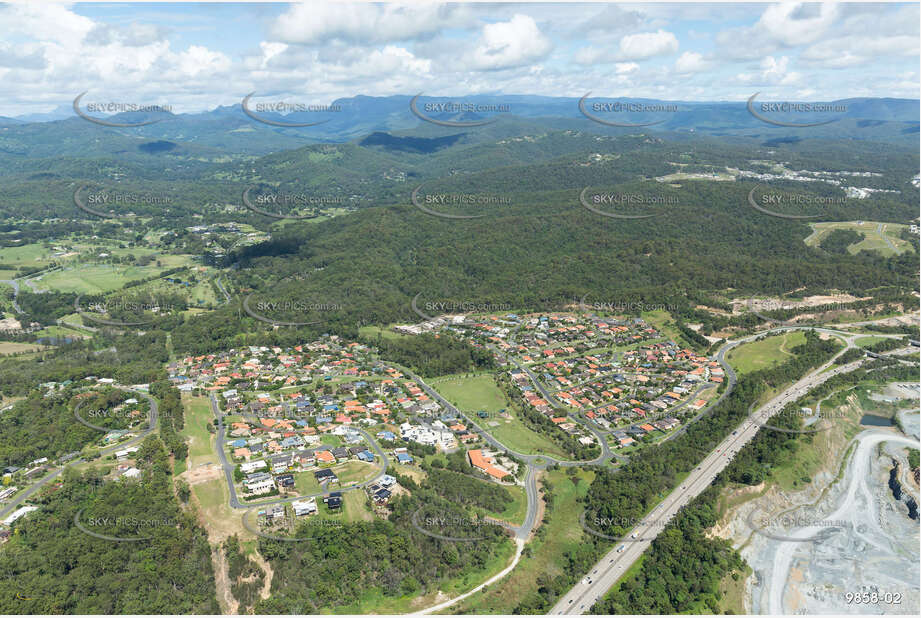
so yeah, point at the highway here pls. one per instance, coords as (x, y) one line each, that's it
(605, 573)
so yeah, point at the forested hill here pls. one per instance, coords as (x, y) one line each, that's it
(537, 246)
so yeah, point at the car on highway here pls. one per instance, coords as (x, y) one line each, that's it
(633, 536)
(621, 548)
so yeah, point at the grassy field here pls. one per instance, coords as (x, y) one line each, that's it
(89, 278)
(562, 532)
(867, 341)
(93, 278)
(219, 519)
(371, 332)
(873, 240)
(197, 415)
(766, 353)
(348, 473)
(659, 320)
(12, 347)
(474, 393)
(471, 394)
(515, 512)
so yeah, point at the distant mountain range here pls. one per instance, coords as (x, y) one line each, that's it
(228, 128)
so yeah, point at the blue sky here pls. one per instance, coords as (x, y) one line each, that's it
(198, 56)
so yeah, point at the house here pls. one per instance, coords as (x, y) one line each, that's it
(402, 456)
(387, 481)
(333, 500)
(365, 455)
(263, 486)
(23, 510)
(381, 496)
(481, 462)
(124, 454)
(340, 453)
(284, 480)
(304, 507)
(325, 475)
(280, 463)
(252, 466)
(324, 458)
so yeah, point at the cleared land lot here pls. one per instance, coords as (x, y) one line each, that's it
(872, 239)
(768, 352)
(563, 533)
(474, 393)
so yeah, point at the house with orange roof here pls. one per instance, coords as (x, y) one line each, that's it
(485, 464)
(324, 458)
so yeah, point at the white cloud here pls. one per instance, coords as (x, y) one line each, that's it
(773, 72)
(795, 24)
(648, 44)
(314, 23)
(691, 62)
(509, 44)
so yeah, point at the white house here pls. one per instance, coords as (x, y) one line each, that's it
(252, 466)
(304, 507)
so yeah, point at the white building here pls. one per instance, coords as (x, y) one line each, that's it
(304, 507)
(18, 513)
(252, 466)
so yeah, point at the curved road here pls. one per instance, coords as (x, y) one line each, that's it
(152, 425)
(228, 468)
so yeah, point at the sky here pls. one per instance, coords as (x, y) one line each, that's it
(195, 57)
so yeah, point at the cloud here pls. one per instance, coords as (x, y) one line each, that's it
(793, 24)
(509, 44)
(691, 62)
(773, 72)
(647, 45)
(316, 23)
